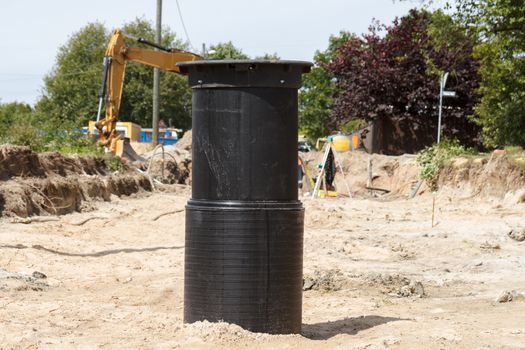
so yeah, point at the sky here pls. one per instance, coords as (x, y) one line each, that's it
(33, 30)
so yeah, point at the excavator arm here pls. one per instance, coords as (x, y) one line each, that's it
(115, 59)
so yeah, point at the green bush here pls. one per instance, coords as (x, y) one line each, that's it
(24, 133)
(433, 158)
(71, 142)
(21, 125)
(45, 138)
(114, 164)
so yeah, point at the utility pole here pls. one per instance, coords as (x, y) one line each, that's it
(156, 79)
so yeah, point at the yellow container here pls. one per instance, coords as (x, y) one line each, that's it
(340, 142)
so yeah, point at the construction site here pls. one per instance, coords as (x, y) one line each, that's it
(371, 199)
(91, 258)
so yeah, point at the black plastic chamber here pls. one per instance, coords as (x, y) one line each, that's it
(244, 223)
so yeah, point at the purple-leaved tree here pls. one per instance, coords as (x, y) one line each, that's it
(391, 75)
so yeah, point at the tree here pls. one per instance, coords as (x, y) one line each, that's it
(70, 92)
(70, 89)
(500, 27)
(269, 57)
(316, 95)
(393, 78)
(501, 111)
(494, 18)
(226, 51)
(175, 94)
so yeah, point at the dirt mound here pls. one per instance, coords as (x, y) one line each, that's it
(18, 161)
(397, 175)
(396, 285)
(497, 176)
(326, 281)
(56, 163)
(173, 166)
(185, 142)
(172, 172)
(21, 282)
(51, 183)
(220, 332)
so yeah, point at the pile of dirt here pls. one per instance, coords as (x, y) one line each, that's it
(396, 285)
(173, 166)
(495, 176)
(185, 142)
(54, 184)
(221, 333)
(20, 282)
(171, 172)
(17, 161)
(326, 281)
(396, 175)
(517, 234)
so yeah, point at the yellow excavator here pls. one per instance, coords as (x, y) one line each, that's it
(115, 59)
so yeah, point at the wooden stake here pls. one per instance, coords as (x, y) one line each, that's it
(433, 209)
(163, 161)
(370, 178)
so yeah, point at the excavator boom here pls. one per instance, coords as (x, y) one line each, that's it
(115, 59)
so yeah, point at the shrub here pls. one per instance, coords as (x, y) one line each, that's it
(432, 159)
(23, 133)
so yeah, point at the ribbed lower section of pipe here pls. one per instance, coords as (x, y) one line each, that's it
(244, 263)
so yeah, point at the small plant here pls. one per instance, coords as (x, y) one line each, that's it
(432, 159)
(114, 164)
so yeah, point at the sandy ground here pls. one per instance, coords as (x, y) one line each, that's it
(116, 281)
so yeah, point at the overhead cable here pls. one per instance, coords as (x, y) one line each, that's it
(184, 26)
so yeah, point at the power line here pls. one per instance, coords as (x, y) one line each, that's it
(184, 26)
(22, 76)
(21, 79)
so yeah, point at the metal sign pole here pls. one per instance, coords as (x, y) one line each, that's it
(442, 83)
